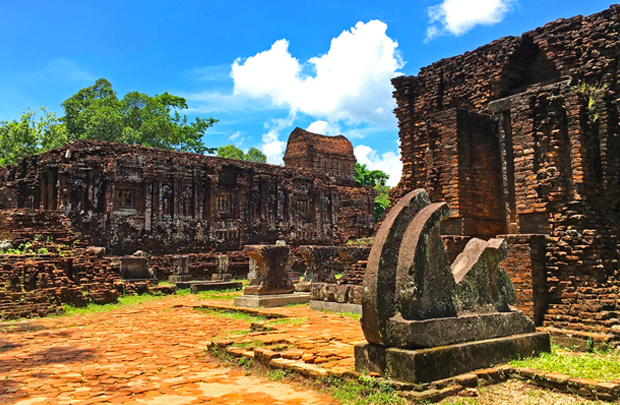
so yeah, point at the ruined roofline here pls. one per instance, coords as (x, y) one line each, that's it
(84, 144)
(336, 145)
(107, 150)
(506, 44)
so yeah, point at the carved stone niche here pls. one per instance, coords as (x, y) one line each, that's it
(427, 320)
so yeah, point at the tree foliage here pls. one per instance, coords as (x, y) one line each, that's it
(375, 179)
(35, 132)
(365, 177)
(96, 113)
(233, 152)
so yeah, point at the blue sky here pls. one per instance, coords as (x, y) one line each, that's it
(261, 68)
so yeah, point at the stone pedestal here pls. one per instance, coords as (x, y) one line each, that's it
(270, 264)
(272, 286)
(180, 270)
(438, 363)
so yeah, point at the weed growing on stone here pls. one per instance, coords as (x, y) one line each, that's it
(245, 362)
(602, 365)
(248, 345)
(363, 391)
(236, 315)
(277, 374)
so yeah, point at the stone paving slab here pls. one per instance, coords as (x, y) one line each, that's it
(151, 353)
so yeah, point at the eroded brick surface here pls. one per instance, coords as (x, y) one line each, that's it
(520, 137)
(130, 198)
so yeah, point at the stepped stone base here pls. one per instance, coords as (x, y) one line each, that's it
(335, 307)
(278, 300)
(437, 363)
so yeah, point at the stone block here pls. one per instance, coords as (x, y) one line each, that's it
(335, 307)
(278, 300)
(426, 365)
(198, 286)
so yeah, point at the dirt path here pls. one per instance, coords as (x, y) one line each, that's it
(151, 353)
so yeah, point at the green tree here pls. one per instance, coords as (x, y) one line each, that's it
(96, 113)
(255, 155)
(233, 152)
(375, 179)
(230, 151)
(365, 177)
(32, 133)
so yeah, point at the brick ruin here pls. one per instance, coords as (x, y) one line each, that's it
(521, 137)
(128, 198)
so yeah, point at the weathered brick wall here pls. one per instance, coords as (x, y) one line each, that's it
(130, 197)
(37, 285)
(553, 96)
(202, 266)
(525, 265)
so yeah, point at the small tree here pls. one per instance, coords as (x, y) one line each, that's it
(33, 133)
(375, 179)
(233, 152)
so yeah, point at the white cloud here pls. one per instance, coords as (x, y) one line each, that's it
(236, 138)
(272, 146)
(324, 128)
(459, 16)
(351, 84)
(389, 162)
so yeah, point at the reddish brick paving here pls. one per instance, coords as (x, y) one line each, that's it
(150, 353)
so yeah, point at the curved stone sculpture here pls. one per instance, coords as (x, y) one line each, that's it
(412, 298)
(426, 320)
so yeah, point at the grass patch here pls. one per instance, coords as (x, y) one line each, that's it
(248, 345)
(305, 304)
(236, 315)
(288, 321)
(219, 295)
(182, 292)
(124, 301)
(357, 317)
(363, 391)
(599, 365)
(240, 332)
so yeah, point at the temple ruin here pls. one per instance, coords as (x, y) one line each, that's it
(79, 207)
(521, 137)
(128, 197)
